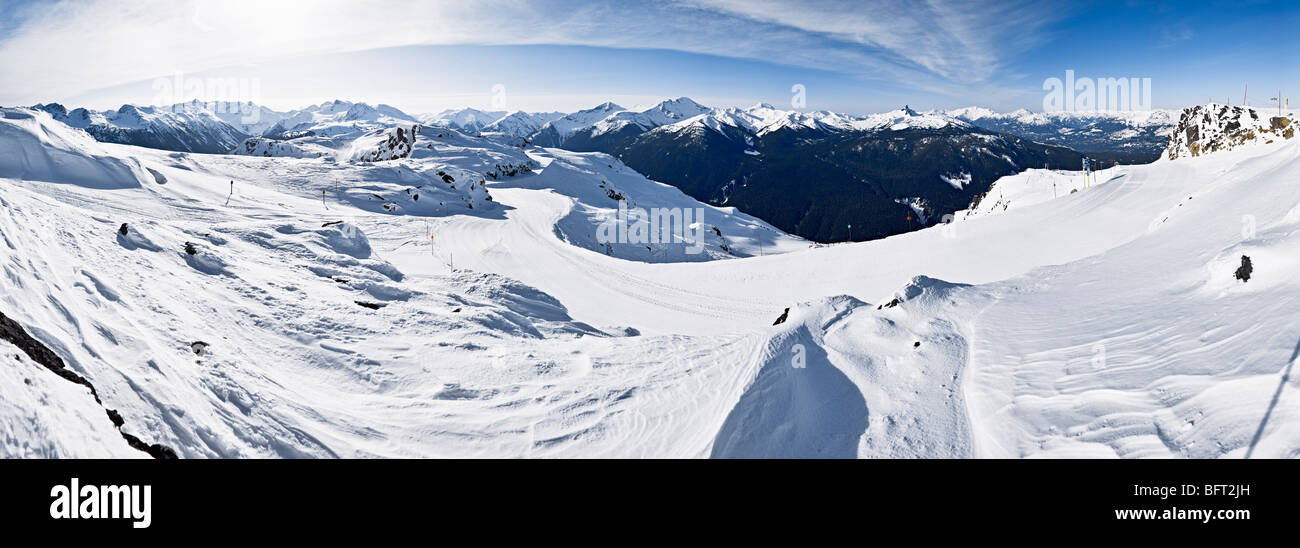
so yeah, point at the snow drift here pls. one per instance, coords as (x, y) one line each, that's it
(38, 148)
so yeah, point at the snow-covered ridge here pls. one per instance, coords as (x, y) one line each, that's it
(1137, 118)
(1139, 135)
(664, 113)
(1209, 128)
(38, 147)
(763, 119)
(181, 129)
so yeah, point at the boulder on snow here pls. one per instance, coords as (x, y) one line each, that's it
(1243, 271)
(784, 316)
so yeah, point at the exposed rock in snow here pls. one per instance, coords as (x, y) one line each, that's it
(385, 144)
(1243, 271)
(263, 146)
(1208, 128)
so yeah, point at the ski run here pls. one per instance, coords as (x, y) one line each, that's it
(455, 301)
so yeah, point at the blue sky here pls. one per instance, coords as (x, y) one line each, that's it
(857, 57)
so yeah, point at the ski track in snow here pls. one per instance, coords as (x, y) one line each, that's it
(1100, 323)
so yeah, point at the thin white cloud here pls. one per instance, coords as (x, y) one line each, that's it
(69, 47)
(963, 42)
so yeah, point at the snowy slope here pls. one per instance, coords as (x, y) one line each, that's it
(556, 131)
(337, 129)
(666, 112)
(1105, 322)
(183, 130)
(249, 118)
(519, 123)
(37, 147)
(1033, 186)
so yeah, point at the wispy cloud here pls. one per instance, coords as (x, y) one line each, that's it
(963, 42)
(1175, 34)
(67, 47)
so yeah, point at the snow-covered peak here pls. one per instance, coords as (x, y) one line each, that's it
(763, 118)
(664, 113)
(905, 118)
(364, 112)
(570, 124)
(518, 123)
(335, 117)
(1137, 118)
(189, 130)
(249, 117)
(467, 119)
(972, 113)
(330, 107)
(679, 108)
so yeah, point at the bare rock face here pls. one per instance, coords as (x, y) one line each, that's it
(11, 331)
(386, 144)
(1210, 128)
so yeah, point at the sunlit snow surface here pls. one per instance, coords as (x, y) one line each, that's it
(1105, 322)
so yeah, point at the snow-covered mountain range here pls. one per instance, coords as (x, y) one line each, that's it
(830, 177)
(181, 129)
(1138, 136)
(884, 173)
(190, 126)
(456, 302)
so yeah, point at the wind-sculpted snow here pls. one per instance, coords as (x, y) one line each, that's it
(340, 316)
(619, 213)
(38, 148)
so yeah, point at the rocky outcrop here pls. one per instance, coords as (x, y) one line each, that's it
(1243, 271)
(41, 354)
(386, 144)
(1210, 128)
